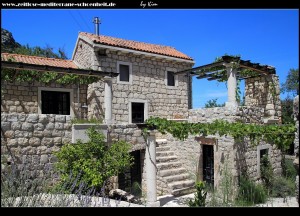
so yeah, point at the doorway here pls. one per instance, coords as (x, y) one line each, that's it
(208, 164)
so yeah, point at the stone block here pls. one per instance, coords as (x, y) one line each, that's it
(27, 126)
(34, 141)
(33, 118)
(60, 118)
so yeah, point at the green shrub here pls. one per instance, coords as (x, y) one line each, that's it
(200, 195)
(266, 172)
(87, 121)
(251, 193)
(283, 187)
(288, 168)
(92, 163)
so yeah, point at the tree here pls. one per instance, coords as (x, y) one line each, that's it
(292, 82)
(213, 103)
(92, 163)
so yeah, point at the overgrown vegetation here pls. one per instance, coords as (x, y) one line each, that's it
(200, 195)
(93, 162)
(213, 103)
(250, 193)
(87, 121)
(281, 135)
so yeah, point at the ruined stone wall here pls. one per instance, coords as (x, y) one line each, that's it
(296, 119)
(229, 153)
(148, 84)
(23, 97)
(31, 139)
(264, 92)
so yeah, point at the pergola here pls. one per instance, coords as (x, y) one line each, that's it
(230, 68)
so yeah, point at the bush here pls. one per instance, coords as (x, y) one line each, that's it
(289, 170)
(251, 193)
(92, 163)
(283, 187)
(200, 195)
(266, 172)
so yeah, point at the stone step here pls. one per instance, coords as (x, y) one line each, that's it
(182, 184)
(178, 177)
(165, 159)
(183, 191)
(162, 148)
(164, 154)
(168, 165)
(161, 141)
(171, 172)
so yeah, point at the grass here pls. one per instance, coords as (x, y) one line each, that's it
(87, 121)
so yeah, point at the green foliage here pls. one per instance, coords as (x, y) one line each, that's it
(289, 171)
(87, 121)
(283, 187)
(251, 193)
(200, 195)
(213, 103)
(266, 172)
(281, 135)
(287, 111)
(93, 162)
(8, 75)
(292, 82)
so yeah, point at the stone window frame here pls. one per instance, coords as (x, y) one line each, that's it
(259, 148)
(130, 72)
(169, 69)
(146, 109)
(40, 89)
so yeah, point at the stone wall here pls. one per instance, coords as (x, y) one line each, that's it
(22, 97)
(148, 84)
(264, 92)
(32, 138)
(296, 119)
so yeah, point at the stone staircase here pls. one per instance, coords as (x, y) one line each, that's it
(172, 177)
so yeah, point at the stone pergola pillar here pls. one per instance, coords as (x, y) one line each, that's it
(151, 170)
(231, 85)
(108, 99)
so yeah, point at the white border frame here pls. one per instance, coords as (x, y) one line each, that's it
(175, 77)
(145, 102)
(130, 72)
(57, 90)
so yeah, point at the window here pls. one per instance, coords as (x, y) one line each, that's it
(137, 112)
(170, 78)
(55, 101)
(125, 71)
(262, 150)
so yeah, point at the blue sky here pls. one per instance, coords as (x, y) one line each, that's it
(262, 36)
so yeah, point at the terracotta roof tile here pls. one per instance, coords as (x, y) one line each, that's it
(38, 60)
(135, 45)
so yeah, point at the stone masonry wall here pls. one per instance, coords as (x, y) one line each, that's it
(148, 84)
(264, 92)
(23, 97)
(32, 138)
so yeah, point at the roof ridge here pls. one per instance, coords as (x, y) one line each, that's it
(148, 43)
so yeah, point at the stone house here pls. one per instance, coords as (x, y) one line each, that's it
(138, 80)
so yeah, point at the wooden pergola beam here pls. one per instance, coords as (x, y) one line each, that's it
(47, 68)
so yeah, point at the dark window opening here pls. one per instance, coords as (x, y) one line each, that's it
(130, 181)
(208, 164)
(137, 112)
(263, 152)
(54, 102)
(171, 78)
(124, 73)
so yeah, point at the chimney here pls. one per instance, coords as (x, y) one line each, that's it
(97, 22)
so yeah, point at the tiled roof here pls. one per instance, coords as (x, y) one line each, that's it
(36, 60)
(135, 45)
